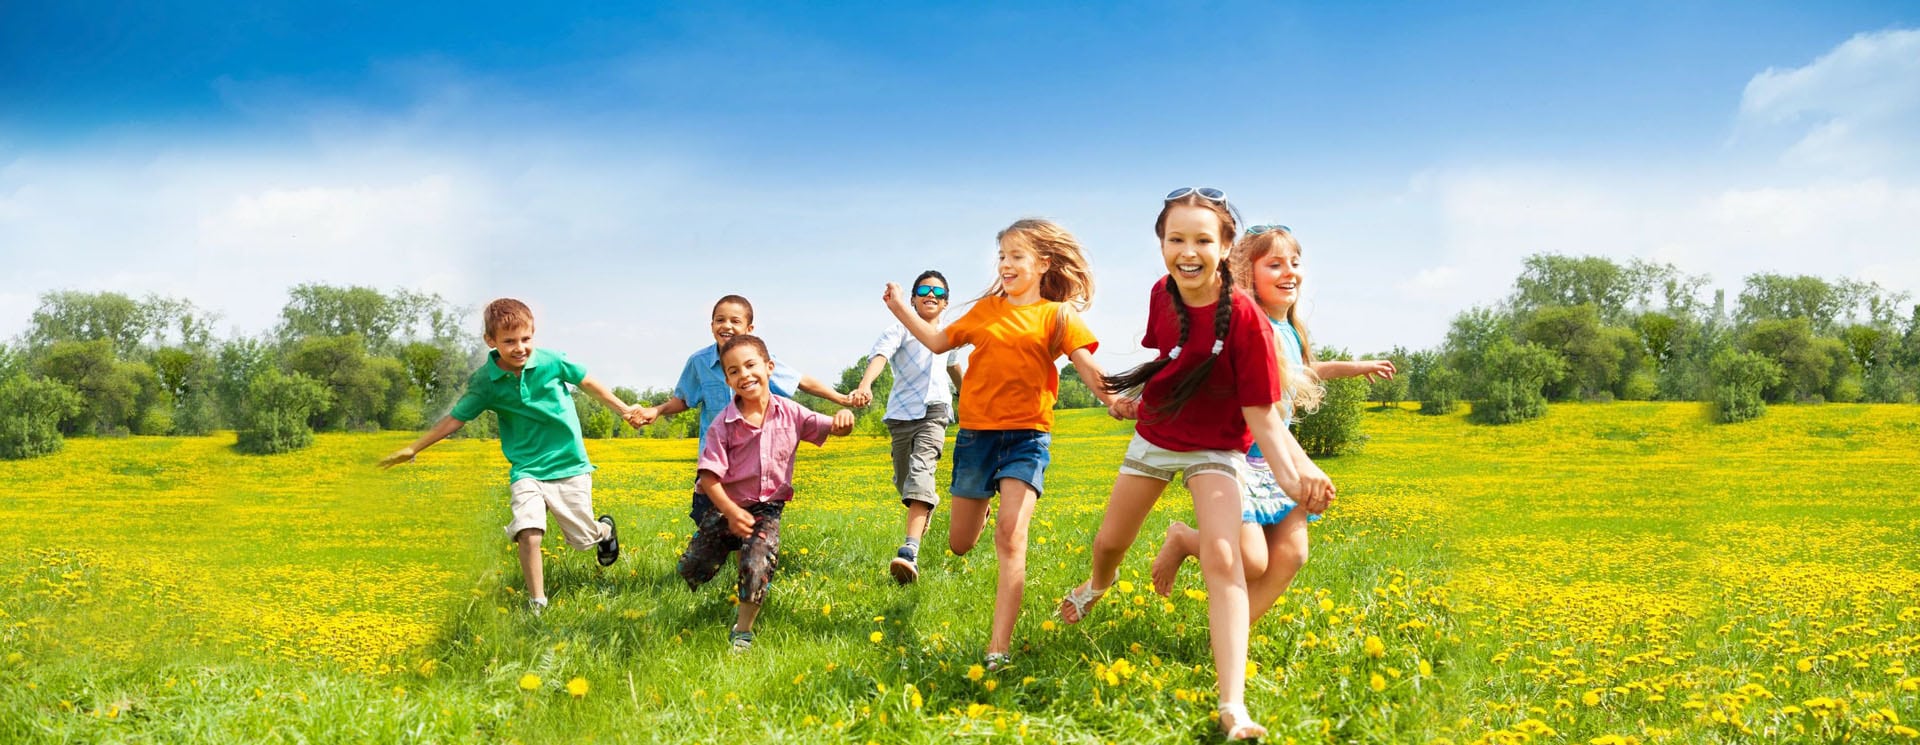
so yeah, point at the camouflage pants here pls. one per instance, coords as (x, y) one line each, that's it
(758, 552)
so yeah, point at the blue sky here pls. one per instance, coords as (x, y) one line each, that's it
(621, 167)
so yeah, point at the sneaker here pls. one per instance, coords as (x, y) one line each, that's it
(536, 605)
(609, 548)
(905, 566)
(741, 640)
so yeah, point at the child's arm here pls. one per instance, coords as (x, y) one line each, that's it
(813, 385)
(446, 426)
(863, 393)
(739, 521)
(1309, 487)
(935, 339)
(599, 390)
(1354, 368)
(1119, 407)
(953, 371)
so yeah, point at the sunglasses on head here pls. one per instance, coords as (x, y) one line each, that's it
(925, 290)
(1258, 229)
(1206, 192)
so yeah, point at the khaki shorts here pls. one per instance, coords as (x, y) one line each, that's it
(569, 499)
(1155, 462)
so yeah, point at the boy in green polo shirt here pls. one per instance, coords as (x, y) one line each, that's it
(539, 434)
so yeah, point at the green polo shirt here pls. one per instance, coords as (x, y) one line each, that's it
(539, 431)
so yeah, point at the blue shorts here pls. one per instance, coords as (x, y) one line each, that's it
(982, 457)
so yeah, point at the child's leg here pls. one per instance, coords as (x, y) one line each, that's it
(1017, 500)
(707, 549)
(1127, 507)
(965, 524)
(759, 553)
(1216, 507)
(916, 485)
(570, 500)
(1254, 551)
(918, 515)
(530, 567)
(1288, 542)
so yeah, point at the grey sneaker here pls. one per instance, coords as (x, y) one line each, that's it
(905, 566)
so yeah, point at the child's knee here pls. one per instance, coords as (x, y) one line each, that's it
(1010, 541)
(529, 536)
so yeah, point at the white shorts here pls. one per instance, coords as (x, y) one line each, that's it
(1155, 462)
(569, 499)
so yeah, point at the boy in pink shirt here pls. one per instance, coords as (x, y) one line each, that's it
(746, 473)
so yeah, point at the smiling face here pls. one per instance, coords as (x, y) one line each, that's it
(1020, 268)
(730, 320)
(1276, 278)
(1190, 245)
(514, 342)
(747, 372)
(928, 306)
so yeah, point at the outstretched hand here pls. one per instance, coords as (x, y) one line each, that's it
(895, 298)
(403, 455)
(1372, 369)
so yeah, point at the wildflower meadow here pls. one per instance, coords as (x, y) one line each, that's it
(1610, 573)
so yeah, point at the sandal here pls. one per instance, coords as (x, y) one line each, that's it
(1238, 724)
(997, 660)
(1078, 600)
(741, 640)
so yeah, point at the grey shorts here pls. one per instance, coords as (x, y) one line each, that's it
(916, 454)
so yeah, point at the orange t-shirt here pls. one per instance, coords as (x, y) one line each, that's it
(1011, 382)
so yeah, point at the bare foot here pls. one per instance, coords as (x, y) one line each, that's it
(1173, 554)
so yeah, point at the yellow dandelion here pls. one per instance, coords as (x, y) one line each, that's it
(990, 685)
(1326, 605)
(577, 687)
(1375, 648)
(529, 682)
(1590, 698)
(1048, 625)
(1376, 682)
(875, 637)
(976, 672)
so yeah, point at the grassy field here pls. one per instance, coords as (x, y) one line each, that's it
(1610, 574)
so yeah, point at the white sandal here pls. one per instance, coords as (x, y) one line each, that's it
(1079, 599)
(1238, 724)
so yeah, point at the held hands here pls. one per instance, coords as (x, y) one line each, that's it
(861, 397)
(1316, 489)
(640, 416)
(1123, 407)
(403, 455)
(740, 522)
(842, 423)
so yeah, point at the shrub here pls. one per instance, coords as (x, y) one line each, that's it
(1334, 429)
(1515, 375)
(278, 406)
(1739, 381)
(30, 413)
(1439, 389)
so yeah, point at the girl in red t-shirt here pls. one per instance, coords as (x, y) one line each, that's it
(1209, 394)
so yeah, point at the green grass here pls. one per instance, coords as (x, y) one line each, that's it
(171, 590)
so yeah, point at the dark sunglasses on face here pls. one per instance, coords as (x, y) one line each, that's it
(939, 293)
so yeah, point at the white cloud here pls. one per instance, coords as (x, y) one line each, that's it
(1859, 103)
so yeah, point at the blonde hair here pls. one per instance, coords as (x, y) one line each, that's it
(1067, 279)
(1302, 386)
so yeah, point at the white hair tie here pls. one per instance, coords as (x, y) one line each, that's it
(1217, 346)
(1174, 355)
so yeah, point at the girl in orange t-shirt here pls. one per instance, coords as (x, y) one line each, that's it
(1018, 328)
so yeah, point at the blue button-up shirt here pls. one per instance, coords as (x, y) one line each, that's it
(703, 385)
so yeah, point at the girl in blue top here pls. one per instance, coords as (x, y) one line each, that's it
(1267, 263)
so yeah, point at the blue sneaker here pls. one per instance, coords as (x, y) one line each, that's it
(905, 566)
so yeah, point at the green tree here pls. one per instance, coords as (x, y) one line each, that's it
(363, 313)
(31, 410)
(596, 421)
(1548, 280)
(1389, 392)
(1515, 378)
(187, 375)
(236, 364)
(120, 321)
(357, 387)
(1073, 392)
(1593, 355)
(1808, 363)
(1738, 381)
(1775, 297)
(1472, 333)
(109, 391)
(1440, 388)
(1334, 428)
(278, 407)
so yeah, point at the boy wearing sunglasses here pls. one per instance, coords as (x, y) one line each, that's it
(918, 411)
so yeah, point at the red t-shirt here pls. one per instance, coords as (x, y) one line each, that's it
(1245, 374)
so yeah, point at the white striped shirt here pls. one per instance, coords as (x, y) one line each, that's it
(919, 376)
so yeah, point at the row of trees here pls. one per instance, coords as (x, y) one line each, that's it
(1591, 329)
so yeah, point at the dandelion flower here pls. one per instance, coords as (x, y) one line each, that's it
(1376, 682)
(976, 672)
(1376, 648)
(875, 637)
(577, 687)
(529, 682)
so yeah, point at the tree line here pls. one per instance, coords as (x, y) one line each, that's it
(358, 359)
